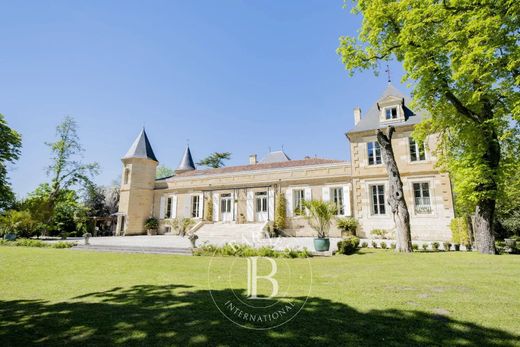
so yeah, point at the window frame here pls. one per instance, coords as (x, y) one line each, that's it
(421, 184)
(372, 153)
(225, 201)
(298, 200)
(378, 209)
(340, 204)
(261, 202)
(168, 207)
(391, 109)
(195, 206)
(416, 151)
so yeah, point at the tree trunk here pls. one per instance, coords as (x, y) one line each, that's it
(396, 196)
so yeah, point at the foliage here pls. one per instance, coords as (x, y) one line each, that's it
(320, 215)
(151, 223)
(425, 246)
(463, 61)
(364, 244)
(164, 171)
(415, 246)
(446, 246)
(23, 242)
(20, 223)
(208, 210)
(10, 145)
(242, 250)
(101, 201)
(280, 212)
(347, 224)
(374, 244)
(215, 160)
(383, 245)
(379, 233)
(181, 225)
(348, 245)
(435, 246)
(459, 231)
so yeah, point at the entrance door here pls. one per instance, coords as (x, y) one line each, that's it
(261, 206)
(226, 210)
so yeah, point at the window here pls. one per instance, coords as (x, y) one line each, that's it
(391, 113)
(169, 203)
(261, 201)
(225, 203)
(421, 193)
(378, 199)
(195, 206)
(299, 198)
(374, 153)
(126, 176)
(337, 200)
(122, 226)
(416, 152)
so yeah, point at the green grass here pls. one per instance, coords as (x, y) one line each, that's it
(54, 297)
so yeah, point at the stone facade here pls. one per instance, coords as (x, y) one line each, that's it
(246, 194)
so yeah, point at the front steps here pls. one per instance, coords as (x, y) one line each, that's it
(218, 234)
(134, 249)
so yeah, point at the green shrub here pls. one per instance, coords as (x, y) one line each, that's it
(415, 246)
(425, 246)
(182, 225)
(374, 244)
(364, 244)
(151, 223)
(383, 245)
(348, 245)
(379, 233)
(61, 244)
(435, 246)
(347, 224)
(392, 245)
(280, 213)
(20, 223)
(459, 231)
(446, 246)
(241, 250)
(36, 243)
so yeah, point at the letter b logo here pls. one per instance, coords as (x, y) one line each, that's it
(253, 277)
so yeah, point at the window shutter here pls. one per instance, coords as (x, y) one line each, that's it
(216, 205)
(346, 201)
(201, 205)
(308, 194)
(250, 206)
(162, 207)
(325, 194)
(174, 206)
(270, 203)
(289, 202)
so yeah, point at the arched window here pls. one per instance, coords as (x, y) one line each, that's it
(126, 176)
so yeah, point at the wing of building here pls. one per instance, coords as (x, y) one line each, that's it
(246, 193)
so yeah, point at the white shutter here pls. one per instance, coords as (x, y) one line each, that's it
(187, 206)
(308, 194)
(233, 217)
(174, 206)
(201, 206)
(270, 204)
(289, 202)
(325, 194)
(346, 201)
(162, 207)
(250, 206)
(216, 205)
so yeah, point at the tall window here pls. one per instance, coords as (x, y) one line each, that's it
(261, 201)
(391, 113)
(225, 203)
(299, 198)
(416, 152)
(421, 192)
(122, 226)
(337, 200)
(126, 176)
(378, 199)
(169, 203)
(195, 206)
(374, 153)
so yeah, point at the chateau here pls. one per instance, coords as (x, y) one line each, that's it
(246, 194)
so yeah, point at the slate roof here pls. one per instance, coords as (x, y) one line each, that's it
(275, 157)
(259, 166)
(141, 148)
(370, 119)
(186, 163)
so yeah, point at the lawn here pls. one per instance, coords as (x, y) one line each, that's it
(54, 297)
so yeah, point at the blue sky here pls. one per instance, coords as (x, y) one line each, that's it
(237, 76)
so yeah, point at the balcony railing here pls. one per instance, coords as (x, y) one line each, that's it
(423, 205)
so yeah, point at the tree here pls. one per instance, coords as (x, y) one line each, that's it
(396, 195)
(10, 144)
(215, 160)
(462, 59)
(163, 171)
(66, 169)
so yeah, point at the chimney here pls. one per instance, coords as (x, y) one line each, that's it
(252, 159)
(357, 115)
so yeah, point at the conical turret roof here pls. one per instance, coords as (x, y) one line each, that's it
(141, 148)
(186, 163)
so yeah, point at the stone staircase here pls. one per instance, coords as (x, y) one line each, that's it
(219, 234)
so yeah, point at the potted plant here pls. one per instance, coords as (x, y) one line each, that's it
(347, 226)
(151, 225)
(182, 225)
(320, 215)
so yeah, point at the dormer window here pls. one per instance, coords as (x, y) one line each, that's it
(391, 113)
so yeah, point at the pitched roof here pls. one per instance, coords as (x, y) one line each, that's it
(371, 121)
(256, 167)
(141, 148)
(275, 157)
(186, 163)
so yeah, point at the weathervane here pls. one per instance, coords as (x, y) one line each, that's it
(388, 73)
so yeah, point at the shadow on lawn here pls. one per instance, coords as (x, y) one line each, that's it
(177, 315)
